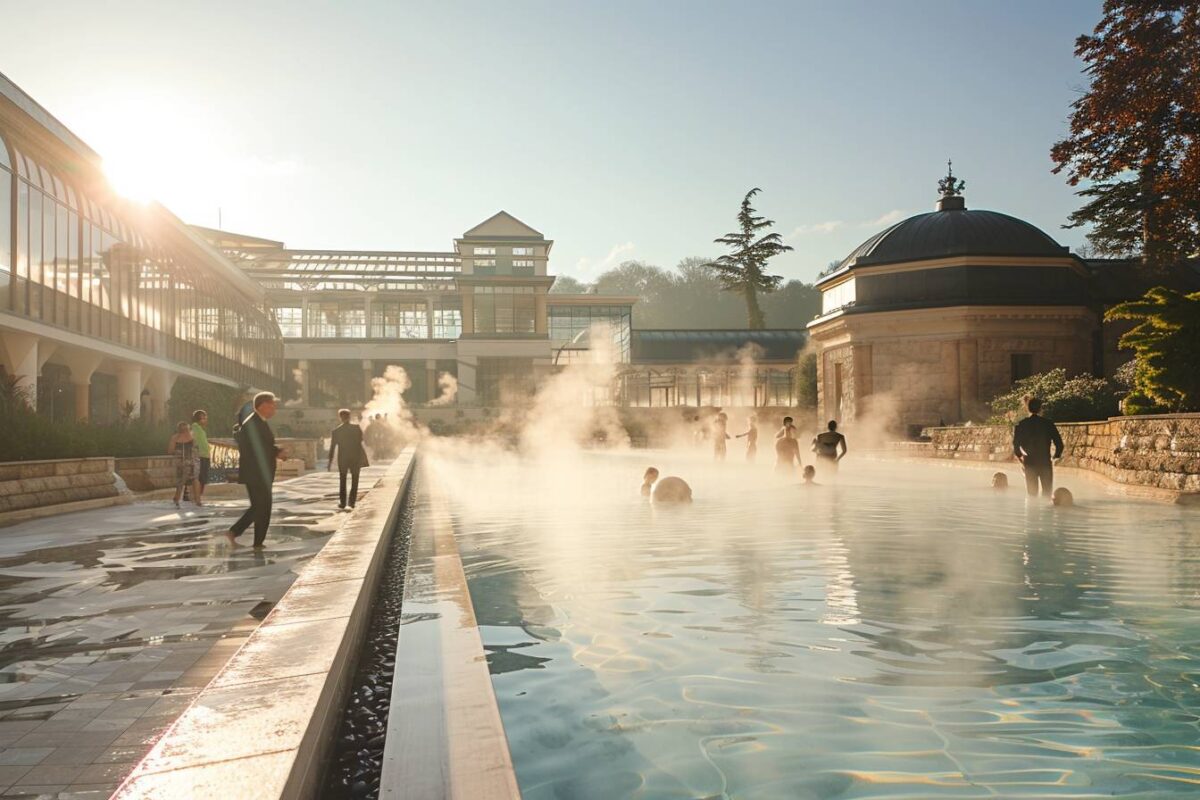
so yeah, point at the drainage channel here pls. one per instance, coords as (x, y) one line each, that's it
(356, 761)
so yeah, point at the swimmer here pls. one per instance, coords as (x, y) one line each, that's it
(648, 481)
(810, 473)
(720, 435)
(826, 445)
(999, 481)
(787, 449)
(751, 436)
(1062, 497)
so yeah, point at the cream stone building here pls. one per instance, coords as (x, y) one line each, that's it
(931, 318)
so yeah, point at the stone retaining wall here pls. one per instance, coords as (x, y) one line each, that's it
(145, 473)
(1159, 451)
(36, 484)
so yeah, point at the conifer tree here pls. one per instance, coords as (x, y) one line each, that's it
(744, 270)
(1166, 342)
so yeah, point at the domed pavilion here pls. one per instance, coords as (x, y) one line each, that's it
(930, 319)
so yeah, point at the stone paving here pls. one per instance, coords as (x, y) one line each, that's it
(112, 620)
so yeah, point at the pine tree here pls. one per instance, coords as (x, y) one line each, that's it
(1166, 342)
(1135, 133)
(744, 270)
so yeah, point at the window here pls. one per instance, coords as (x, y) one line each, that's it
(485, 262)
(572, 329)
(390, 320)
(838, 297)
(336, 320)
(522, 251)
(504, 309)
(290, 320)
(1021, 365)
(484, 251)
(522, 262)
(447, 319)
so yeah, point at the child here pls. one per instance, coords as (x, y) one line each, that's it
(1062, 497)
(182, 446)
(999, 481)
(751, 435)
(648, 481)
(810, 472)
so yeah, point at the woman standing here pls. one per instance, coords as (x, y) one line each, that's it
(183, 447)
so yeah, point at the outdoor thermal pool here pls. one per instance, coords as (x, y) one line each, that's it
(906, 632)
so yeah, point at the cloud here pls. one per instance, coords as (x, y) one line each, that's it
(586, 268)
(888, 218)
(817, 227)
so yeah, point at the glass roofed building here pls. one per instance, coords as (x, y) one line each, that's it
(104, 303)
(483, 313)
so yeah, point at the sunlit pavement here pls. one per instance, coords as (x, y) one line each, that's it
(113, 619)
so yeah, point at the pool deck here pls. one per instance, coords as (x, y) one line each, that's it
(117, 618)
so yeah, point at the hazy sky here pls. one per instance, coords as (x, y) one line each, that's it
(619, 129)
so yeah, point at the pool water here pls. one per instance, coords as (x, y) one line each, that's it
(903, 631)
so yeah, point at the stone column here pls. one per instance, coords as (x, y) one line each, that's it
(83, 364)
(20, 355)
(305, 391)
(468, 319)
(129, 387)
(428, 317)
(466, 379)
(160, 382)
(431, 385)
(539, 313)
(861, 373)
(968, 378)
(368, 373)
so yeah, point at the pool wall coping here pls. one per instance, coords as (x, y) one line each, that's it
(265, 725)
(445, 737)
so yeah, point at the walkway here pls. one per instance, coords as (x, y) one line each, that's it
(111, 620)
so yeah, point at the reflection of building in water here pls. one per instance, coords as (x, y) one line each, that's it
(104, 303)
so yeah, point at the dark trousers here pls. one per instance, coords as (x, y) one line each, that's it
(1035, 473)
(259, 512)
(342, 486)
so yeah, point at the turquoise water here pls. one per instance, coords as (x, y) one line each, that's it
(906, 632)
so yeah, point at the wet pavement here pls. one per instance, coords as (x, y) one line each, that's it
(112, 620)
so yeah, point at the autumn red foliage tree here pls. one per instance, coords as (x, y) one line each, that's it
(1134, 142)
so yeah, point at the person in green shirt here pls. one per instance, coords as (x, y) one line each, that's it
(200, 436)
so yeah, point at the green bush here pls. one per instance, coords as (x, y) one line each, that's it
(806, 381)
(1064, 399)
(221, 403)
(28, 436)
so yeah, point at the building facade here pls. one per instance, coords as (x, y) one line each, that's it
(931, 318)
(104, 303)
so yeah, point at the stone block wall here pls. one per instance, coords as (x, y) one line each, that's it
(35, 484)
(144, 473)
(1158, 451)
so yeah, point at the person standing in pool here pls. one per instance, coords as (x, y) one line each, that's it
(1032, 438)
(751, 436)
(826, 445)
(720, 431)
(787, 449)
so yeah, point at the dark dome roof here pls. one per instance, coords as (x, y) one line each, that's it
(954, 232)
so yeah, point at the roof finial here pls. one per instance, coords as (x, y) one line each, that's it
(948, 186)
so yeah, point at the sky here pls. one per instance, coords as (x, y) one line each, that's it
(621, 130)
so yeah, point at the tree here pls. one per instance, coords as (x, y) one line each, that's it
(1166, 344)
(793, 306)
(1135, 133)
(565, 284)
(744, 270)
(635, 278)
(806, 381)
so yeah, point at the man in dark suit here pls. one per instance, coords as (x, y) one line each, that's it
(1032, 439)
(257, 456)
(347, 440)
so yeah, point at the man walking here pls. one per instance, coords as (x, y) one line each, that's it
(1032, 438)
(257, 455)
(347, 441)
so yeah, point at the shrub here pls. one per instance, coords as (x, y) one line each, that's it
(1064, 399)
(28, 436)
(221, 403)
(806, 381)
